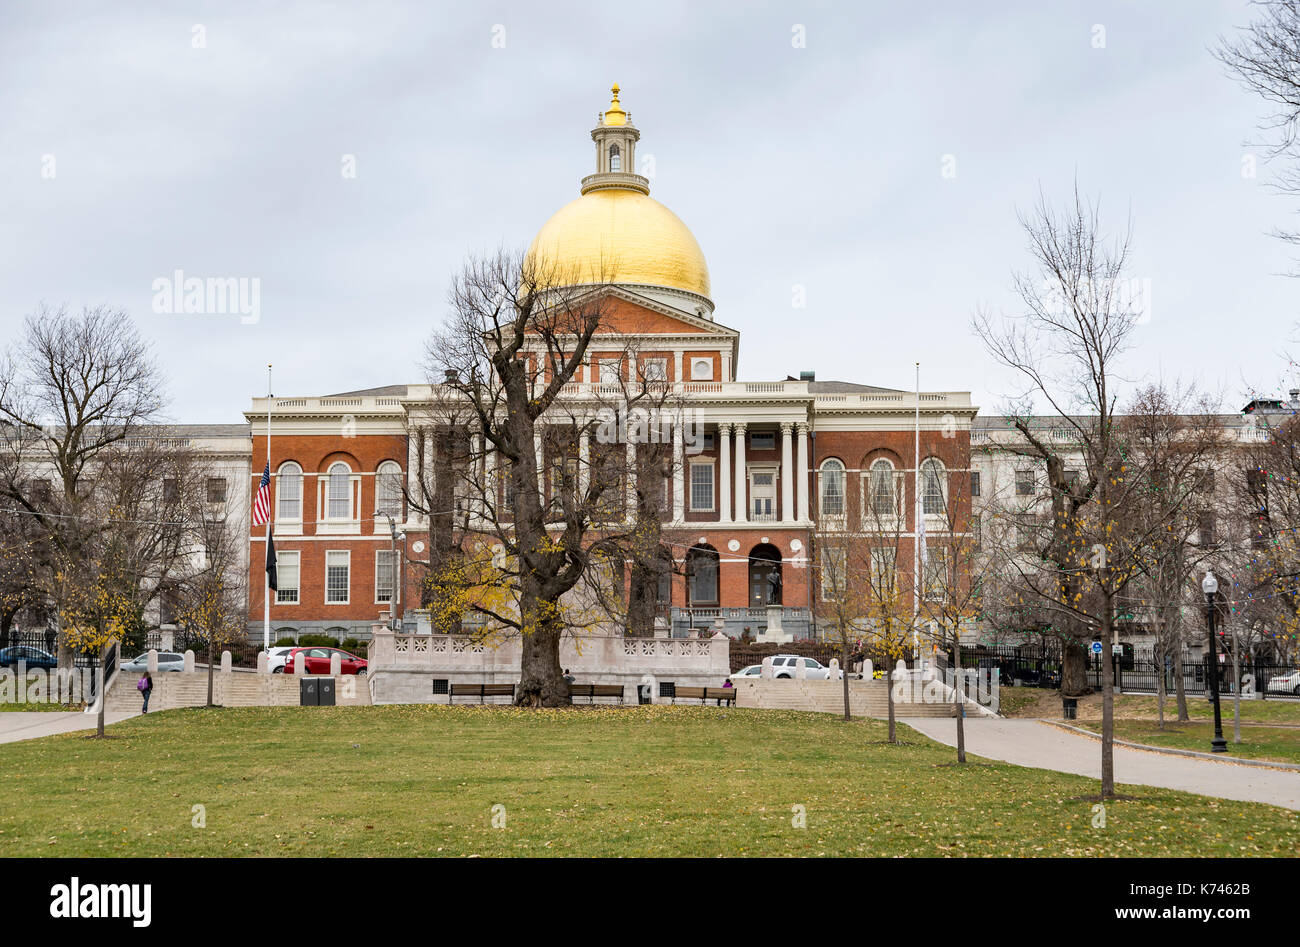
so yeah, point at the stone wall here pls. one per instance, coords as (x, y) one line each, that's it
(403, 668)
(173, 689)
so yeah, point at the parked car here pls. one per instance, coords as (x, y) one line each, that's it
(784, 665)
(167, 661)
(29, 656)
(317, 661)
(754, 670)
(276, 657)
(1285, 683)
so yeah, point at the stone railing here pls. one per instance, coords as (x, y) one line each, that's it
(589, 657)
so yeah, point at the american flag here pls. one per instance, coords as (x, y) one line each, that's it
(262, 505)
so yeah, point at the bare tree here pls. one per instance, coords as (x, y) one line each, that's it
(519, 332)
(1176, 442)
(951, 594)
(1265, 58)
(1077, 322)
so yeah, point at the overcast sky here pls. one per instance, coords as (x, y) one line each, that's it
(142, 138)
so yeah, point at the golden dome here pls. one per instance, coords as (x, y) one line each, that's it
(632, 237)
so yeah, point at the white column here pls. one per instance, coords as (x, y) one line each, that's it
(677, 367)
(478, 442)
(742, 504)
(494, 501)
(805, 486)
(679, 472)
(584, 462)
(724, 473)
(787, 473)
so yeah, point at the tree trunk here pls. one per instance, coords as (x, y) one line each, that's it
(99, 693)
(304, 668)
(1180, 684)
(1074, 668)
(541, 679)
(1159, 657)
(889, 690)
(1107, 704)
(643, 594)
(959, 693)
(844, 672)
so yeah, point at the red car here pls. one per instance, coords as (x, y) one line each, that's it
(317, 661)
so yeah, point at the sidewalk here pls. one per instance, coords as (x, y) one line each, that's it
(1038, 745)
(28, 725)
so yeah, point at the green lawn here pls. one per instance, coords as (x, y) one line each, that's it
(423, 780)
(1199, 708)
(1280, 744)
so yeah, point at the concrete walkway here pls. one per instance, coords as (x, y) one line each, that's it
(28, 725)
(1038, 745)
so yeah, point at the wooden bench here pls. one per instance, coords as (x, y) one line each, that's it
(706, 694)
(592, 691)
(481, 691)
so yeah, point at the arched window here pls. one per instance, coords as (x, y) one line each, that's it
(884, 496)
(934, 493)
(764, 575)
(702, 575)
(832, 495)
(288, 492)
(388, 489)
(615, 159)
(338, 492)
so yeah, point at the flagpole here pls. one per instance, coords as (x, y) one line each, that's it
(266, 576)
(917, 526)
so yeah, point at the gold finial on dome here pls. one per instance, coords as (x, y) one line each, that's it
(615, 115)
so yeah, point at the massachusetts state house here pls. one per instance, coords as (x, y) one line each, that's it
(780, 461)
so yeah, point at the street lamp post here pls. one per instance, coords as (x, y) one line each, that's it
(1210, 585)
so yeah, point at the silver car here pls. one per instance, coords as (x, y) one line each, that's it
(167, 661)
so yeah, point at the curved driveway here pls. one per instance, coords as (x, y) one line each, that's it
(1039, 745)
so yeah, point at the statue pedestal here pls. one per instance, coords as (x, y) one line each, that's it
(774, 632)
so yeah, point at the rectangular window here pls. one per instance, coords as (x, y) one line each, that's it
(1205, 481)
(833, 573)
(287, 572)
(1024, 483)
(936, 574)
(762, 495)
(974, 483)
(611, 371)
(655, 369)
(171, 490)
(338, 567)
(702, 487)
(1205, 529)
(216, 489)
(883, 579)
(762, 440)
(384, 576)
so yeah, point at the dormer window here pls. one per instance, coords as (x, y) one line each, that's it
(615, 159)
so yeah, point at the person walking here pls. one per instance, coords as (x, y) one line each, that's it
(145, 686)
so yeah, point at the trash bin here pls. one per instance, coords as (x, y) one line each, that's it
(309, 692)
(325, 692)
(1070, 707)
